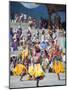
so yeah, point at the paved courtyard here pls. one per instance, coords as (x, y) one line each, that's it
(49, 80)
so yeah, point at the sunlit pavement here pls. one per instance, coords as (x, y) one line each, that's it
(49, 80)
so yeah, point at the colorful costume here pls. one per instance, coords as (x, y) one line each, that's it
(19, 68)
(36, 70)
(58, 67)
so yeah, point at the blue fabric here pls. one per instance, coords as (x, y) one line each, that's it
(43, 45)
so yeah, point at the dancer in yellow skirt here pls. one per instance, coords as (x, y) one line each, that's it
(35, 70)
(58, 68)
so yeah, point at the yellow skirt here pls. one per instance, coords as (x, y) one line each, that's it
(19, 69)
(36, 71)
(58, 67)
(31, 70)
